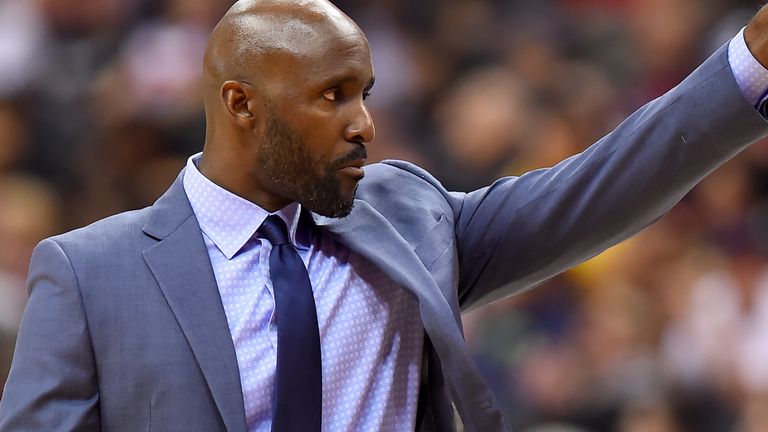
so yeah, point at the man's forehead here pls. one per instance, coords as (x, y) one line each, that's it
(311, 62)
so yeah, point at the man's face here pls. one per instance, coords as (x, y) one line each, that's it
(312, 148)
(316, 182)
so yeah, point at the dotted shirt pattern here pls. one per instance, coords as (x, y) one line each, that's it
(370, 333)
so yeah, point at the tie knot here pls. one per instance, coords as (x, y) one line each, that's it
(273, 229)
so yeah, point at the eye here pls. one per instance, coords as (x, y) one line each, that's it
(366, 94)
(333, 95)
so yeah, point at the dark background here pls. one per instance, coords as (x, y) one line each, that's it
(100, 105)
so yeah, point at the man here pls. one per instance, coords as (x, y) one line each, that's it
(175, 317)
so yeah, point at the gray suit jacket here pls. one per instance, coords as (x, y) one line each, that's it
(125, 330)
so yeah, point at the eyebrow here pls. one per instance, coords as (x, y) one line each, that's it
(343, 79)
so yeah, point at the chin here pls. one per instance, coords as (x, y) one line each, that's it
(333, 199)
(339, 210)
(337, 206)
(343, 207)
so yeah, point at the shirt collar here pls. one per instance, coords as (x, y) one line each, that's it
(227, 219)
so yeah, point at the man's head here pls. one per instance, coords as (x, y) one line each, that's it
(285, 84)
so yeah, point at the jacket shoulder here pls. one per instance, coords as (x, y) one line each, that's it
(383, 174)
(399, 184)
(105, 237)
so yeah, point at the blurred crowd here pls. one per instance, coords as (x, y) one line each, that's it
(100, 106)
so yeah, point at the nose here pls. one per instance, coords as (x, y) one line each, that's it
(361, 129)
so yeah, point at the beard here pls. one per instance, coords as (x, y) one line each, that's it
(312, 182)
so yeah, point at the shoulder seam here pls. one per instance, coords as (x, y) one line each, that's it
(79, 295)
(390, 163)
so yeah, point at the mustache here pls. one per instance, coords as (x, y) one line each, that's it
(360, 152)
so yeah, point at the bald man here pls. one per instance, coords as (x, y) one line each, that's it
(172, 318)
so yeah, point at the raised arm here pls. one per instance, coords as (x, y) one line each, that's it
(522, 230)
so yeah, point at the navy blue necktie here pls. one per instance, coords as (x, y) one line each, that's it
(298, 383)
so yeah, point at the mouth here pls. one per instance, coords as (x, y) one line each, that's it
(354, 169)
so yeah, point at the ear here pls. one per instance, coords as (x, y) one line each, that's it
(240, 100)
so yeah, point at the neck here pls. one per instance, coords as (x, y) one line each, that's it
(236, 176)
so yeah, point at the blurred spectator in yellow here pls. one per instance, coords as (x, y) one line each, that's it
(29, 213)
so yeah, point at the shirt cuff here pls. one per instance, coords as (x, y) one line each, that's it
(750, 75)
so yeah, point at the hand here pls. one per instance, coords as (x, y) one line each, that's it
(756, 36)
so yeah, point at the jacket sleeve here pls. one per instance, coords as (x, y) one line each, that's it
(52, 384)
(522, 230)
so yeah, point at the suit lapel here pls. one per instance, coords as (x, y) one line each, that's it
(180, 264)
(182, 268)
(369, 234)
